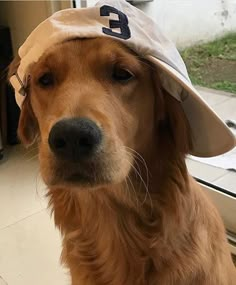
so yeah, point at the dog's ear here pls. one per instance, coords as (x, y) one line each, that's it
(177, 124)
(28, 129)
(173, 126)
(12, 68)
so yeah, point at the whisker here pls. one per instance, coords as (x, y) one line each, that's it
(32, 158)
(127, 189)
(145, 186)
(30, 151)
(140, 158)
(38, 190)
(133, 188)
(130, 151)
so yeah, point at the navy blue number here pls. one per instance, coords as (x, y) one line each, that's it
(122, 23)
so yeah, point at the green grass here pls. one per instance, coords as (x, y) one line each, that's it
(224, 85)
(213, 64)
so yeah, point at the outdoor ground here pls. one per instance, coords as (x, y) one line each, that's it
(213, 64)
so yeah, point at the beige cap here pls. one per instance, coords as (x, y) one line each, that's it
(121, 21)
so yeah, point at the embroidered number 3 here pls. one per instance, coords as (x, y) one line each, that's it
(122, 23)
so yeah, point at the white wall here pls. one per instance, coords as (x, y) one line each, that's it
(191, 21)
(185, 21)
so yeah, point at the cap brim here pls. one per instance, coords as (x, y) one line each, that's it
(211, 136)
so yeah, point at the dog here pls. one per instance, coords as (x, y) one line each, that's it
(112, 148)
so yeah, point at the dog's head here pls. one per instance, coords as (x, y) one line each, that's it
(92, 105)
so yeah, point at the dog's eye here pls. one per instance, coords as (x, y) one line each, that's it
(122, 75)
(46, 79)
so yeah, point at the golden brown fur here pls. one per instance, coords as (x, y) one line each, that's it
(142, 220)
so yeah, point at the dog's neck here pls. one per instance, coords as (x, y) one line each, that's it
(126, 221)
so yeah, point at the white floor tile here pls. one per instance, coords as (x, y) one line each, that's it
(30, 253)
(21, 190)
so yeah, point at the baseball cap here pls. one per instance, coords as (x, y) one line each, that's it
(121, 21)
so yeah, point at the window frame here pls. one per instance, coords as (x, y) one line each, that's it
(225, 202)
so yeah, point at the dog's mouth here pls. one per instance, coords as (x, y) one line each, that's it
(78, 177)
(102, 169)
(91, 173)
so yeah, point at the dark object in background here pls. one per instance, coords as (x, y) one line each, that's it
(231, 124)
(9, 111)
(13, 113)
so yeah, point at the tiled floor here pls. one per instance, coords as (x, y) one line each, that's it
(29, 243)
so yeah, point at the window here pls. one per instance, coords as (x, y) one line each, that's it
(207, 21)
(212, 65)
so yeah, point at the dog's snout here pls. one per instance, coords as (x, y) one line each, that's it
(75, 139)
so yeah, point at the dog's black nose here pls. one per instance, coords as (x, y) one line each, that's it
(75, 139)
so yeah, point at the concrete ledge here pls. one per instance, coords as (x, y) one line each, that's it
(214, 91)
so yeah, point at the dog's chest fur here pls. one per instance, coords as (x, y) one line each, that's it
(110, 242)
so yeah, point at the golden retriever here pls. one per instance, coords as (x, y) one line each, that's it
(112, 147)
